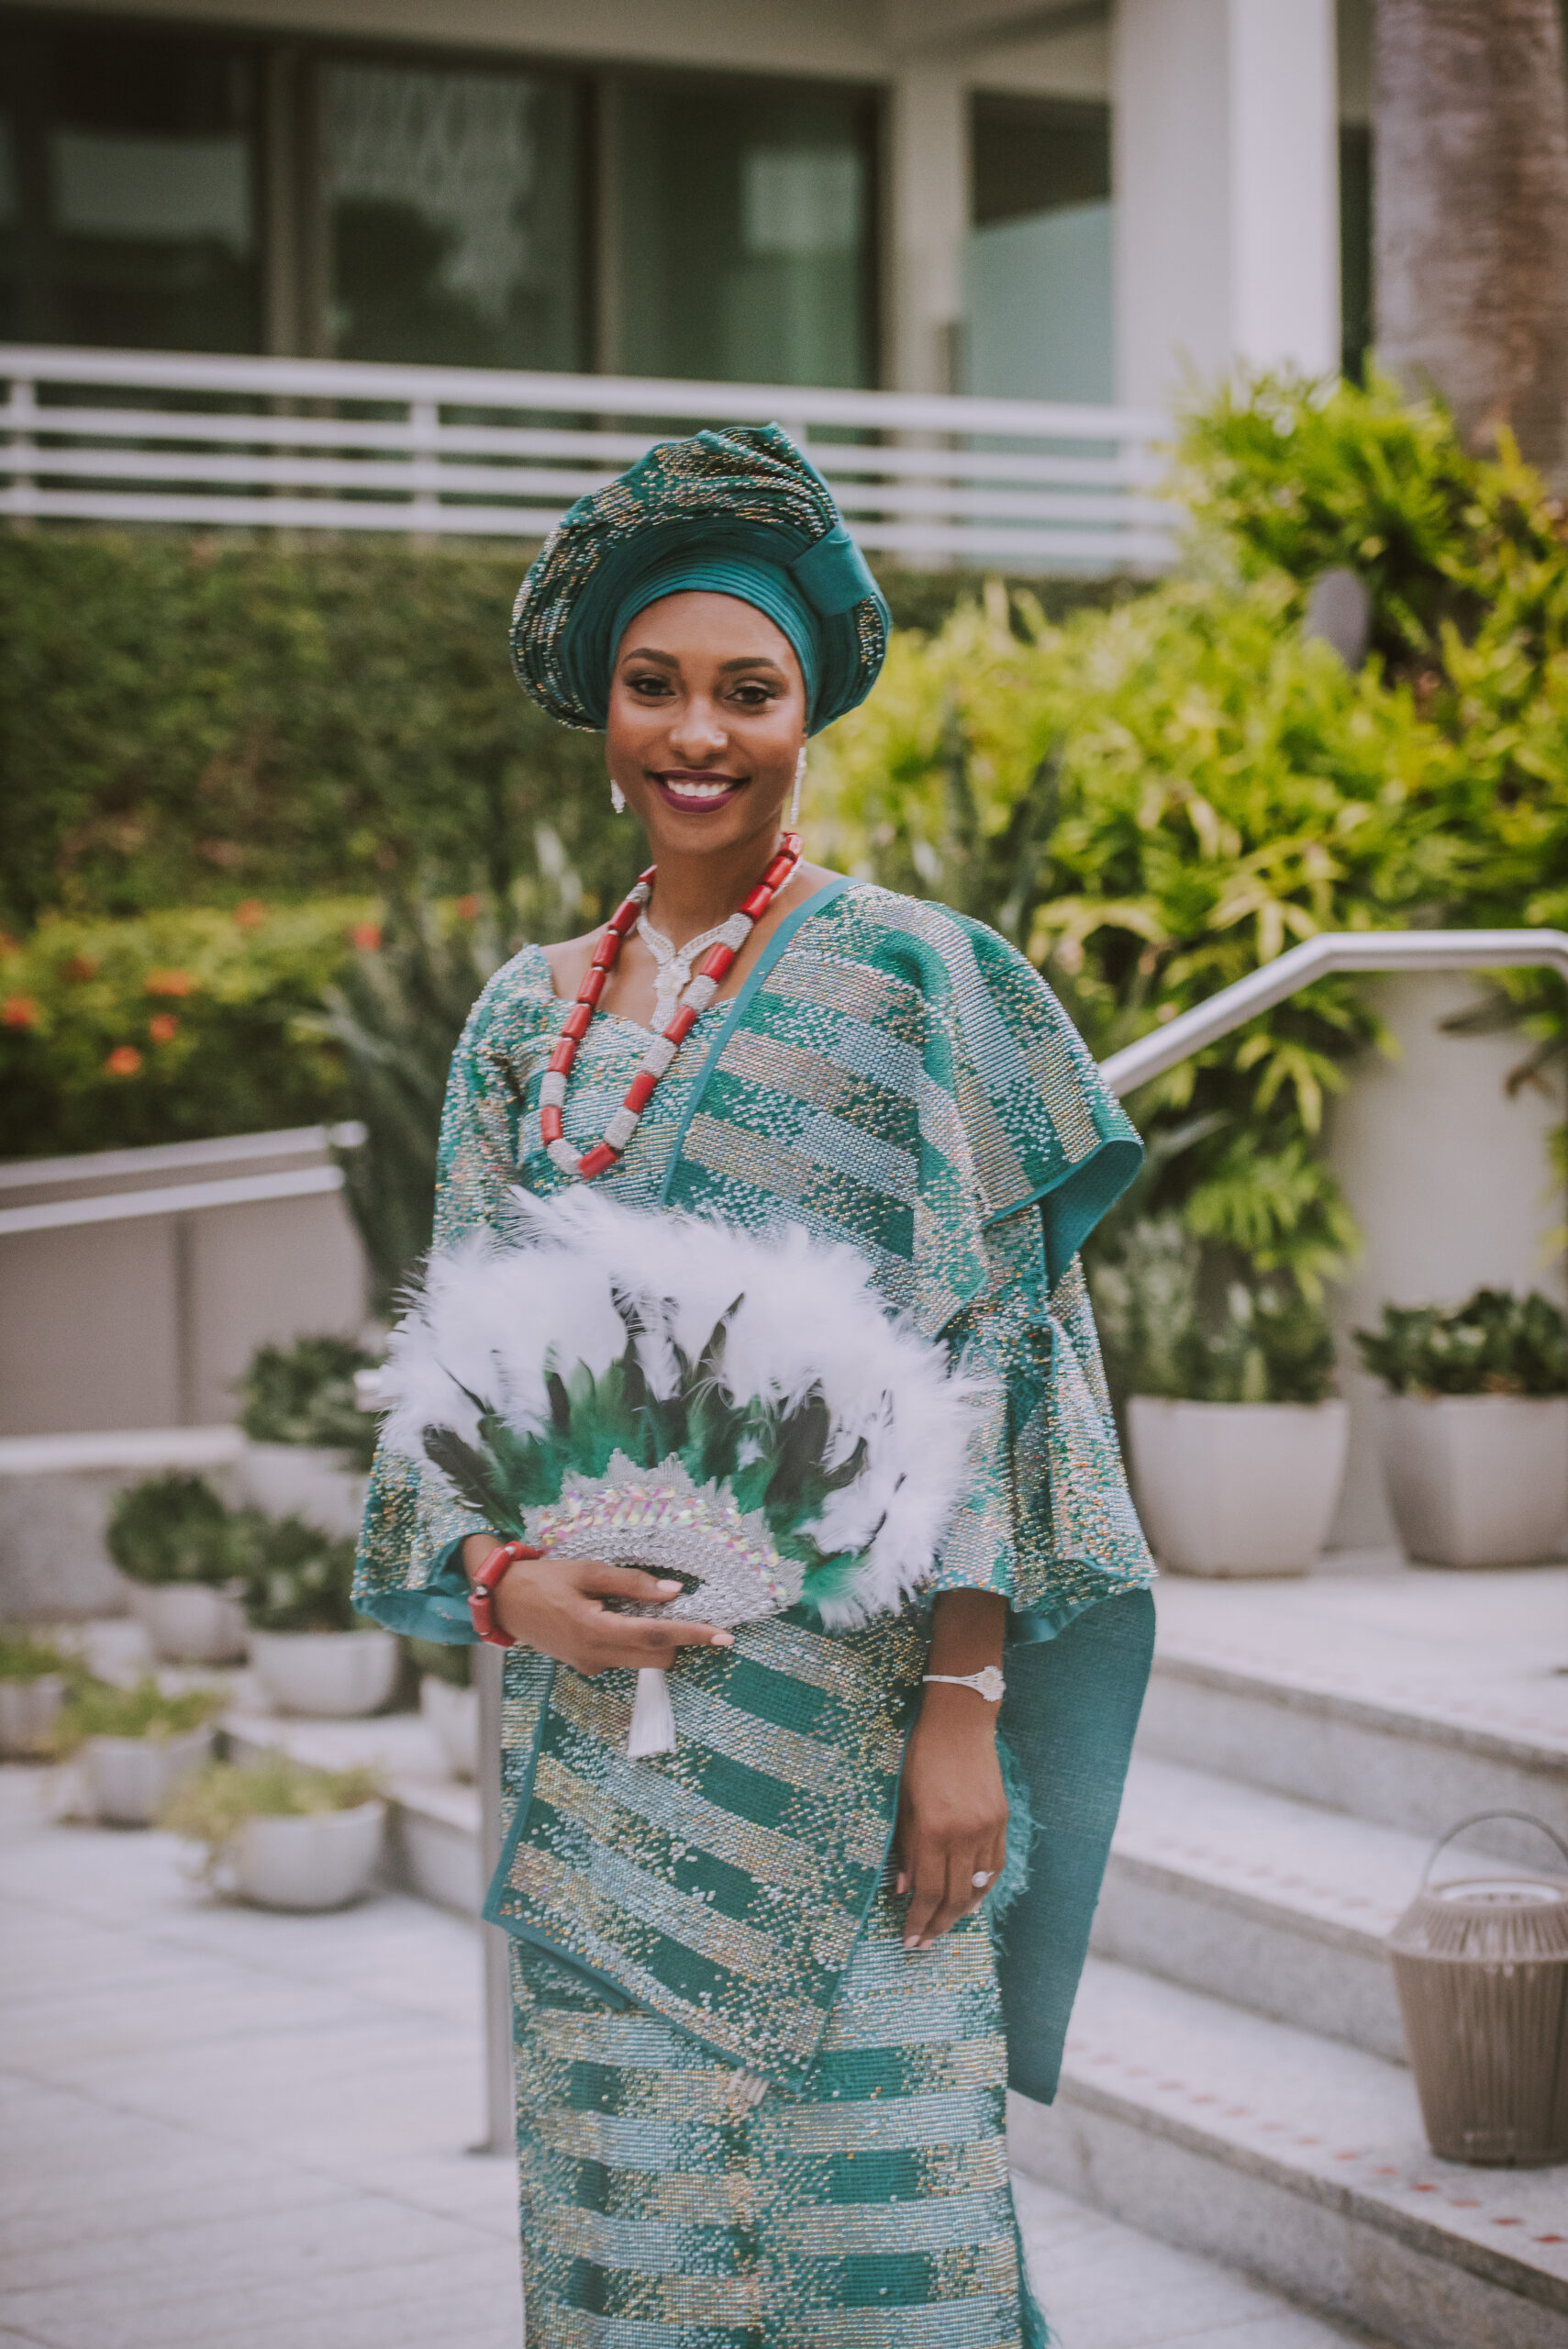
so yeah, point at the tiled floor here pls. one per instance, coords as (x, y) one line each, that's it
(227, 2129)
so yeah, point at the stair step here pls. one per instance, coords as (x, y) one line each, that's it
(1105, 2285)
(1260, 1898)
(1410, 1698)
(1297, 2160)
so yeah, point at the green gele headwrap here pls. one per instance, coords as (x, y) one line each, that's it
(737, 513)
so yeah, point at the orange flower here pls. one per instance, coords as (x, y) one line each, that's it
(18, 1011)
(163, 1027)
(168, 983)
(80, 967)
(250, 913)
(124, 1061)
(468, 909)
(366, 936)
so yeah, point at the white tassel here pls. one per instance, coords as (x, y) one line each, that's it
(653, 1727)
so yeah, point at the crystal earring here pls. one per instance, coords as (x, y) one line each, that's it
(794, 795)
(618, 799)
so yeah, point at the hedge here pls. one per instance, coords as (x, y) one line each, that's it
(197, 720)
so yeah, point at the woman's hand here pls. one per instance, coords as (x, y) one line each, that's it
(556, 1606)
(952, 1808)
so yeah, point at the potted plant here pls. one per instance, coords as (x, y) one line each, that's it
(171, 1535)
(310, 1651)
(281, 1834)
(310, 1443)
(1236, 1442)
(136, 1743)
(34, 1680)
(449, 1702)
(1474, 1427)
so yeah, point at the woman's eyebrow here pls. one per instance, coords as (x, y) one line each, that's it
(750, 661)
(646, 652)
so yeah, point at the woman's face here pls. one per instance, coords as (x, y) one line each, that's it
(706, 722)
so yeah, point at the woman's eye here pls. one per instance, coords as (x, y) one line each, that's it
(753, 697)
(649, 687)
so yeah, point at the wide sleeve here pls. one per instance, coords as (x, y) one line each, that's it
(1046, 1519)
(409, 1574)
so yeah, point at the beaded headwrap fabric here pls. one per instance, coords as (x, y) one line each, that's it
(739, 512)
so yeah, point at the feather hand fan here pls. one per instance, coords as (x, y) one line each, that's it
(735, 1409)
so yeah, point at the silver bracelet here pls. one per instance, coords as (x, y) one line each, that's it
(988, 1683)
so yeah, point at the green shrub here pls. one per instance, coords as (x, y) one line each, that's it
(171, 1529)
(304, 1392)
(1496, 1343)
(171, 1027)
(297, 1578)
(99, 1710)
(212, 1805)
(443, 1659)
(22, 1658)
(1172, 1325)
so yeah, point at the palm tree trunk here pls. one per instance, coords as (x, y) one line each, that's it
(1471, 194)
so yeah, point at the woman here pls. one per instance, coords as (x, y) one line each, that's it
(760, 2075)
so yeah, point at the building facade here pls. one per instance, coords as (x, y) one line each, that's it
(1084, 200)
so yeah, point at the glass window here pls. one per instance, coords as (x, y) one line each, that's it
(128, 190)
(1039, 321)
(454, 216)
(745, 232)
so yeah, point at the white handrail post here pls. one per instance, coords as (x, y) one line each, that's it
(425, 430)
(22, 415)
(500, 2122)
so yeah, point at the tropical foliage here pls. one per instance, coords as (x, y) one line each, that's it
(173, 1529)
(1154, 800)
(1496, 1343)
(1167, 1331)
(296, 1578)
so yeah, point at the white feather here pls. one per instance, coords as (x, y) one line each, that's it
(494, 1312)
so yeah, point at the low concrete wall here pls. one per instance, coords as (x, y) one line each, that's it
(136, 1284)
(1450, 1180)
(55, 1495)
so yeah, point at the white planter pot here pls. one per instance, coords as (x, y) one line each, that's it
(453, 1714)
(1237, 1488)
(323, 1862)
(27, 1709)
(331, 1674)
(189, 1622)
(129, 1777)
(305, 1480)
(1477, 1480)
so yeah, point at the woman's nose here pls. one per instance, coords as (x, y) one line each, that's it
(698, 731)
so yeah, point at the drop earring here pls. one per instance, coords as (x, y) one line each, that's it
(794, 795)
(618, 799)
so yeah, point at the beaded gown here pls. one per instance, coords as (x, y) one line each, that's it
(747, 2119)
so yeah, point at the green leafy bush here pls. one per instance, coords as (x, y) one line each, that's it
(1169, 1331)
(100, 1709)
(304, 1392)
(25, 1659)
(212, 1805)
(1496, 1343)
(297, 1578)
(173, 1529)
(1154, 800)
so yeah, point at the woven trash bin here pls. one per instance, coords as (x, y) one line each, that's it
(1481, 1966)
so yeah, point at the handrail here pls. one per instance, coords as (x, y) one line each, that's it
(1316, 958)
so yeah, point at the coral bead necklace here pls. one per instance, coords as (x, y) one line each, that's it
(730, 939)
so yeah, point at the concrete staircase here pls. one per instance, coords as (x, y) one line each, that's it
(1235, 2079)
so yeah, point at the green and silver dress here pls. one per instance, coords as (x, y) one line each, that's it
(747, 2118)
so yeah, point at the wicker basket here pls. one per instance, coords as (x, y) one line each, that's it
(1481, 1966)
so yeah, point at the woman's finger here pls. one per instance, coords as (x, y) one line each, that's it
(639, 1640)
(598, 1580)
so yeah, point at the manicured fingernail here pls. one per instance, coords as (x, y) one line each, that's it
(670, 1587)
(724, 1639)
(902, 1885)
(911, 1943)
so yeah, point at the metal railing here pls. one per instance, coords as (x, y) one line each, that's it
(1366, 950)
(155, 436)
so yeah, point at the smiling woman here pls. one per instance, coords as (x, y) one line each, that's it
(767, 2000)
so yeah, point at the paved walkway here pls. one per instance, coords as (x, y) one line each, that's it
(228, 2130)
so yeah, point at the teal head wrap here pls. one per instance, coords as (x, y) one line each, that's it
(735, 513)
